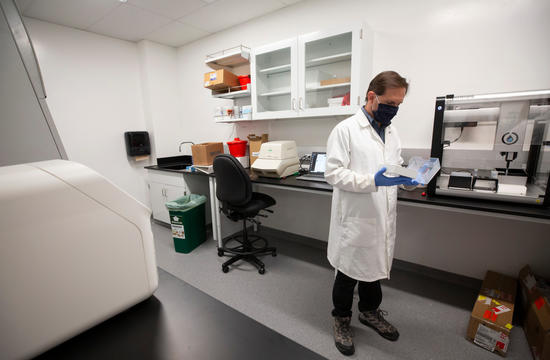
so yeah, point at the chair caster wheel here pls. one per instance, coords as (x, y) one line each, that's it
(261, 270)
(225, 269)
(220, 252)
(274, 254)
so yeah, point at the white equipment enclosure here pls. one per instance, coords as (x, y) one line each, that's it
(75, 250)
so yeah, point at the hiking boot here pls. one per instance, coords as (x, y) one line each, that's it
(343, 335)
(375, 319)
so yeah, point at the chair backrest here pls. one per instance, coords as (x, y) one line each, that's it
(233, 185)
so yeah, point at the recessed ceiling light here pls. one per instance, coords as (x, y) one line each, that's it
(122, 1)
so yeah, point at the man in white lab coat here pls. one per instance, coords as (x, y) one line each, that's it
(362, 224)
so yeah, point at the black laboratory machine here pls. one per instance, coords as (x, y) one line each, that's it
(493, 147)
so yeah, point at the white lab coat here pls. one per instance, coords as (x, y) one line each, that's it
(362, 222)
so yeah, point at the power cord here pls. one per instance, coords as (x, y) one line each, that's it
(448, 143)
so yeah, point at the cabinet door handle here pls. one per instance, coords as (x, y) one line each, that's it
(293, 104)
(301, 104)
(359, 100)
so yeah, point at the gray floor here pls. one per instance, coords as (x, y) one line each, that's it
(294, 299)
(179, 322)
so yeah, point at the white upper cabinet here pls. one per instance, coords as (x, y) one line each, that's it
(275, 80)
(317, 74)
(329, 66)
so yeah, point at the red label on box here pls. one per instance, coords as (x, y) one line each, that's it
(539, 302)
(490, 315)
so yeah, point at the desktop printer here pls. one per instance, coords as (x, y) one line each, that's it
(277, 159)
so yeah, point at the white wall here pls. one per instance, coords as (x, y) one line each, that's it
(471, 243)
(158, 64)
(94, 93)
(442, 47)
(24, 132)
(99, 85)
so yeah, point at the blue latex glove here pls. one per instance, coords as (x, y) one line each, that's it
(381, 180)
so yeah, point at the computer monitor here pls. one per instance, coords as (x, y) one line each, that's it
(318, 163)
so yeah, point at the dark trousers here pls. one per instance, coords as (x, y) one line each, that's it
(370, 295)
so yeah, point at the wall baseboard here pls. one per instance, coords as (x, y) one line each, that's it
(456, 279)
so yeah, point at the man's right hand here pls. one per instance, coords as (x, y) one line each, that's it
(381, 180)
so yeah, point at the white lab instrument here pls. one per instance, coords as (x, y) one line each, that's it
(500, 144)
(75, 251)
(277, 159)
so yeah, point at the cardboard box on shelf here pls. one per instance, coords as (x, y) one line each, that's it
(220, 79)
(204, 154)
(535, 292)
(255, 142)
(491, 318)
(335, 81)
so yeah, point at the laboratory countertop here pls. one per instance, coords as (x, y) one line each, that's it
(414, 196)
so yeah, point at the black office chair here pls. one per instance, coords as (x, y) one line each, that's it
(234, 190)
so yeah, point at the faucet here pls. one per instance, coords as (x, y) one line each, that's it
(185, 142)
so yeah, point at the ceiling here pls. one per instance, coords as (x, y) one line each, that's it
(170, 22)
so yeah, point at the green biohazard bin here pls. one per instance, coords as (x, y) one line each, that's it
(188, 223)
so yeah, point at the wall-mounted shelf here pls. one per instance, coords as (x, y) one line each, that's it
(232, 94)
(329, 59)
(235, 56)
(276, 93)
(275, 69)
(326, 87)
(231, 119)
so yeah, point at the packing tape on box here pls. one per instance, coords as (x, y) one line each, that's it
(530, 282)
(486, 300)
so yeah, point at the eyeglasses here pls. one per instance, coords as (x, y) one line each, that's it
(386, 103)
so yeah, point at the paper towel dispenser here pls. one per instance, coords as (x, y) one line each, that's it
(137, 143)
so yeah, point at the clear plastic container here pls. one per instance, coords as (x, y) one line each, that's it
(426, 168)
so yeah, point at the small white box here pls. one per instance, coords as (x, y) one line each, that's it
(400, 170)
(335, 101)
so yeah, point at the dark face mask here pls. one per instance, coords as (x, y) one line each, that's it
(384, 113)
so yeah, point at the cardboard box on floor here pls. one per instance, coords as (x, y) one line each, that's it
(535, 295)
(220, 80)
(204, 154)
(255, 143)
(491, 318)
